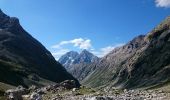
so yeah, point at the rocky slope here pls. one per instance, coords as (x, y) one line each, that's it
(111, 64)
(79, 65)
(24, 60)
(143, 62)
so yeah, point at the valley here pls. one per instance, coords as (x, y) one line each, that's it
(138, 70)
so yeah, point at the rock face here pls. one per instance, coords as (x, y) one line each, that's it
(85, 57)
(109, 66)
(150, 65)
(21, 56)
(67, 59)
(143, 62)
(79, 65)
(72, 57)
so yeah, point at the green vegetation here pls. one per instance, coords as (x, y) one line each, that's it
(164, 25)
(19, 76)
(85, 90)
(4, 87)
(164, 86)
(1, 93)
(3, 98)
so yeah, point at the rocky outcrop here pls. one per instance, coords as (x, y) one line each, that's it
(68, 84)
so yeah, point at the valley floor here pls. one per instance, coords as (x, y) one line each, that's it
(110, 95)
(84, 93)
(67, 91)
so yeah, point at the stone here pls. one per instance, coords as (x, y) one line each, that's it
(68, 84)
(25, 97)
(35, 96)
(32, 88)
(74, 89)
(41, 91)
(16, 94)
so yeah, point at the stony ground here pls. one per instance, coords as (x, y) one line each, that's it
(67, 91)
(108, 95)
(89, 94)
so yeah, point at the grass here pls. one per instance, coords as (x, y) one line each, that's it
(4, 87)
(3, 98)
(161, 27)
(15, 75)
(164, 87)
(1, 93)
(85, 90)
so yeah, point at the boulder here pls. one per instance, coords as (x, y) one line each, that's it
(16, 94)
(35, 96)
(68, 84)
(74, 89)
(100, 98)
(32, 88)
(41, 91)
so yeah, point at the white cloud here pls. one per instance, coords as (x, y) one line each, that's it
(103, 51)
(162, 3)
(57, 54)
(80, 43)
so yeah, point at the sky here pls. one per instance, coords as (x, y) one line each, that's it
(96, 25)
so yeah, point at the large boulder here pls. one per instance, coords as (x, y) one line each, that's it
(68, 84)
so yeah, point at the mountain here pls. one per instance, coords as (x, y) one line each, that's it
(143, 62)
(68, 58)
(111, 64)
(74, 57)
(24, 60)
(79, 65)
(85, 57)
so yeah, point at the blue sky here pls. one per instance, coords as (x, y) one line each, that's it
(96, 25)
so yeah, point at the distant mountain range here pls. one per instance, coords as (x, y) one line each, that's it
(24, 60)
(142, 62)
(78, 64)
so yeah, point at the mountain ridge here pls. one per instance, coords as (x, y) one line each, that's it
(78, 64)
(23, 56)
(137, 64)
(74, 57)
